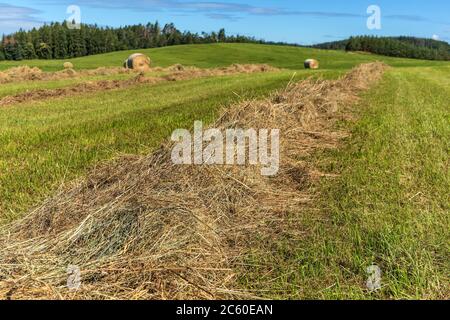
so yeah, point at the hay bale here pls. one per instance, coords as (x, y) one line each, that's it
(311, 64)
(68, 65)
(137, 61)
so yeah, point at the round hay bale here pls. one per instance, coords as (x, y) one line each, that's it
(68, 65)
(138, 61)
(311, 64)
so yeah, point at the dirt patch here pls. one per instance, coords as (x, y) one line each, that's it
(177, 73)
(143, 228)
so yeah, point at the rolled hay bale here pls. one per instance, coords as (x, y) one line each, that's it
(68, 65)
(137, 61)
(311, 64)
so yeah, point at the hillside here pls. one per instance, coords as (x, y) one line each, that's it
(405, 47)
(224, 54)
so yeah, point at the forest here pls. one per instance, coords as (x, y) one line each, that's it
(57, 41)
(403, 47)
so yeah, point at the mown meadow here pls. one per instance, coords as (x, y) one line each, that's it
(388, 201)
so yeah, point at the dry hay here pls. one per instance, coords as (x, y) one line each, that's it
(183, 73)
(25, 73)
(250, 68)
(68, 65)
(178, 72)
(143, 228)
(3, 77)
(21, 73)
(176, 67)
(103, 71)
(66, 73)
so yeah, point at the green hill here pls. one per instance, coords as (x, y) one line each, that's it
(224, 54)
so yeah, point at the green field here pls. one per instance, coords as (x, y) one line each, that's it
(48, 142)
(215, 55)
(388, 206)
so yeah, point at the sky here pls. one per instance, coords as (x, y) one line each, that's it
(294, 21)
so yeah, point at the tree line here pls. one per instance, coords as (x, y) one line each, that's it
(57, 41)
(404, 47)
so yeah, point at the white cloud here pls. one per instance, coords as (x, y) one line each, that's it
(435, 37)
(14, 17)
(218, 8)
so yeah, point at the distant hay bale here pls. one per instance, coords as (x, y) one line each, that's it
(68, 65)
(137, 61)
(311, 64)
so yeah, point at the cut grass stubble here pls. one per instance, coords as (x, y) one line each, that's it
(143, 228)
(44, 144)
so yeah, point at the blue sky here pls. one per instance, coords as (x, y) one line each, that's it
(295, 21)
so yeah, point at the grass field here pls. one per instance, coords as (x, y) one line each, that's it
(388, 204)
(14, 88)
(214, 55)
(125, 121)
(46, 143)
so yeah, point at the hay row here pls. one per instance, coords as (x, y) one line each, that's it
(25, 73)
(143, 228)
(82, 88)
(174, 73)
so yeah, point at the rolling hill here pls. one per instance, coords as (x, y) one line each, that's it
(215, 55)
